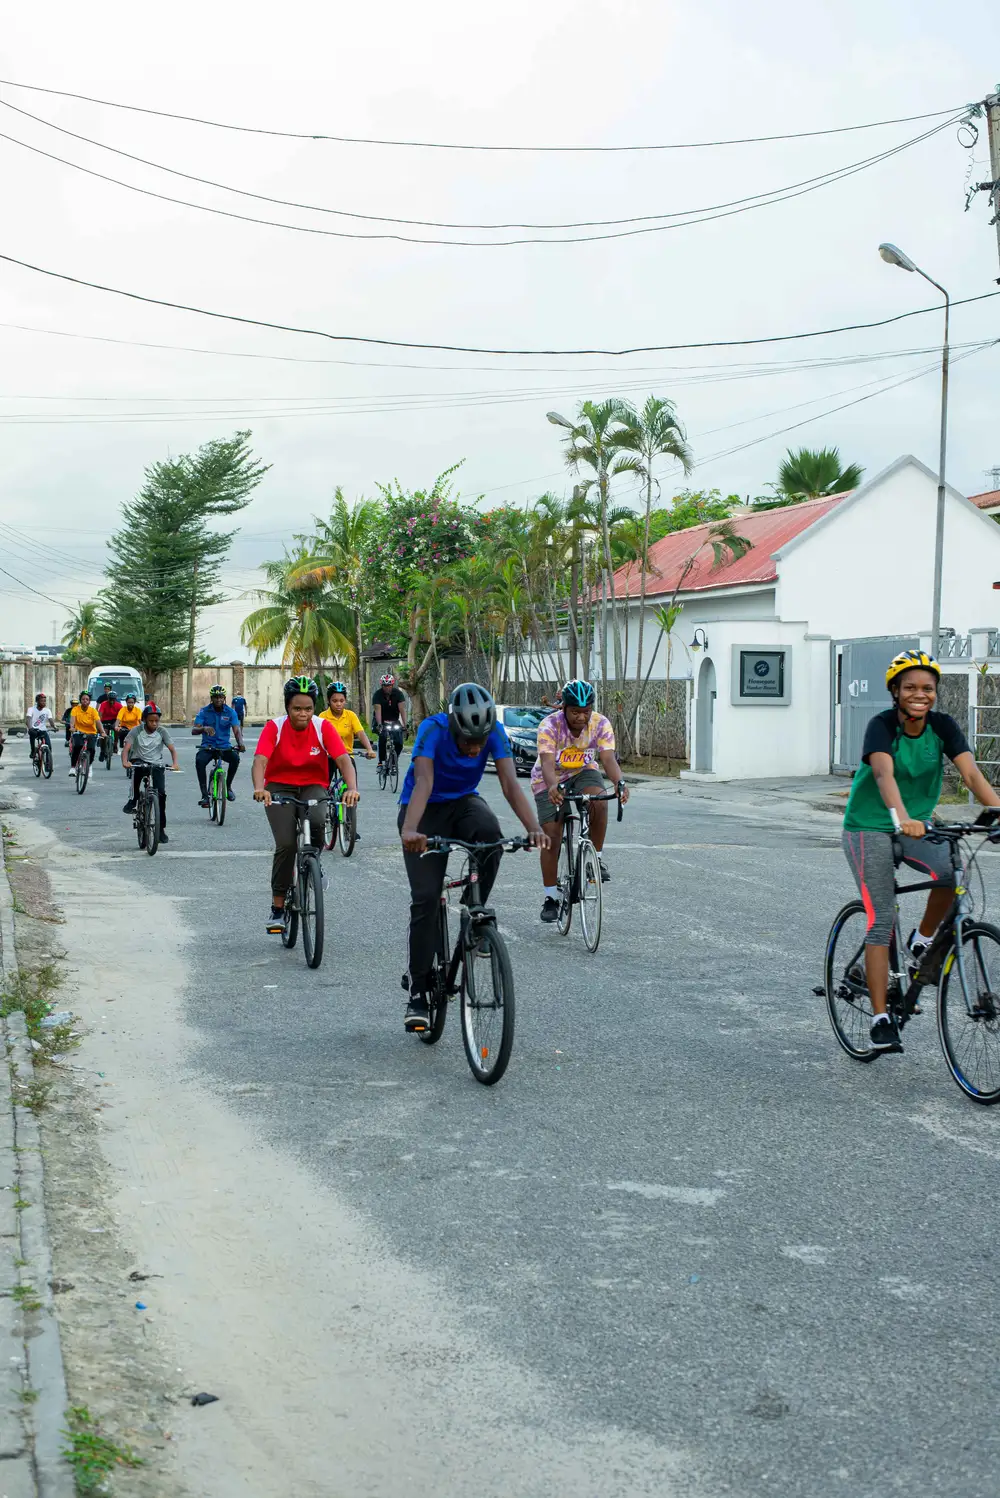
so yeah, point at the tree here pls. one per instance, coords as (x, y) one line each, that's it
(166, 561)
(305, 622)
(694, 507)
(811, 474)
(643, 438)
(80, 631)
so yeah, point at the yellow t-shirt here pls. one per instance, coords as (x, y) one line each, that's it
(129, 717)
(348, 725)
(85, 721)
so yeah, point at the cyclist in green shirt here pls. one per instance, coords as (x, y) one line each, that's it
(894, 793)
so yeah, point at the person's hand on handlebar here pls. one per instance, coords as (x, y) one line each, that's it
(264, 796)
(538, 838)
(351, 798)
(557, 795)
(623, 792)
(369, 754)
(413, 841)
(912, 828)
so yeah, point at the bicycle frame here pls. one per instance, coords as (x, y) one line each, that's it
(576, 808)
(473, 911)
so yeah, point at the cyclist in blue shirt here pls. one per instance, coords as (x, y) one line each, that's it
(215, 723)
(240, 707)
(440, 798)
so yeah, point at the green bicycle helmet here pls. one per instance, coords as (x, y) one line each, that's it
(300, 686)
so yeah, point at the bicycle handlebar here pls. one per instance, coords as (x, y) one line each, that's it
(294, 801)
(446, 844)
(615, 795)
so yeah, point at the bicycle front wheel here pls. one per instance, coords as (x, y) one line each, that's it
(347, 829)
(394, 773)
(46, 762)
(82, 771)
(311, 909)
(382, 772)
(221, 793)
(847, 999)
(152, 820)
(487, 1006)
(591, 895)
(564, 879)
(969, 1014)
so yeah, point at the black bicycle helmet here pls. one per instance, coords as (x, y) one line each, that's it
(577, 693)
(336, 686)
(300, 686)
(472, 713)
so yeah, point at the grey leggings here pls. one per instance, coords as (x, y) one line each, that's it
(870, 857)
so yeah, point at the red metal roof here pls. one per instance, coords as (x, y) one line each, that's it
(768, 531)
(988, 500)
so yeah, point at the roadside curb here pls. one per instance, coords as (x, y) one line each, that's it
(44, 1472)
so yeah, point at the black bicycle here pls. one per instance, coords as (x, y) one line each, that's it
(41, 757)
(388, 770)
(109, 745)
(962, 962)
(579, 877)
(83, 763)
(341, 820)
(477, 969)
(146, 816)
(304, 900)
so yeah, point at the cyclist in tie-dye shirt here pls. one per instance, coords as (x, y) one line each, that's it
(571, 744)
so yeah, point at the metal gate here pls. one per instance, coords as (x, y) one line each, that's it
(858, 680)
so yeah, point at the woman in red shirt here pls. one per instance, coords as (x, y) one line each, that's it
(291, 760)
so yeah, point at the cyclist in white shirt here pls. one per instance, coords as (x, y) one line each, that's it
(39, 720)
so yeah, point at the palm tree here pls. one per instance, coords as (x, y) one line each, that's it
(812, 473)
(646, 436)
(335, 556)
(305, 622)
(80, 631)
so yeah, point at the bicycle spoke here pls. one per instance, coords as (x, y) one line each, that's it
(848, 1001)
(969, 1014)
(488, 1006)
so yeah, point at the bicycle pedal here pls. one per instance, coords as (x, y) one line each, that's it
(275, 928)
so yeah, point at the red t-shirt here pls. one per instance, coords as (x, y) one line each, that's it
(296, 758)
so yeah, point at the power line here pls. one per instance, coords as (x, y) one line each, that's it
(428, 145)
(458, 348)
(683, 213)
(707, 215)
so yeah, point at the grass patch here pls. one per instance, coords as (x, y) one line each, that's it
(31, 994)
(28, 1396)
(26, 1297)
(91, 1454)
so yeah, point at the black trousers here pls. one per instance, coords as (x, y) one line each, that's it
(204, 758)
(469, 818)
(79, 740)
(158, 777)
(37, 733)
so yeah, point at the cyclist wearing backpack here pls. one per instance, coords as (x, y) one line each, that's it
(291, 759)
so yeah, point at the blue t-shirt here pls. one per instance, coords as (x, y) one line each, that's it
(217, 726)
(454, 774)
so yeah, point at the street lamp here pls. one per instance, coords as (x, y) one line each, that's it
(892, 255)
(558, 421)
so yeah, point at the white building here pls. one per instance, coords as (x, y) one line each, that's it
(793, 637)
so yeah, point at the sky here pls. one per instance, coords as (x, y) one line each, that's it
(82, 418)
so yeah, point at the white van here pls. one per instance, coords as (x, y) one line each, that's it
(121, 679)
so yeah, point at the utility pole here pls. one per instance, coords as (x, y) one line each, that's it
(992, 106)
(189, 694)
(574, 585)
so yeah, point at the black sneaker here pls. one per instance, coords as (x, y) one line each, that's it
(884, 1035)
(550, 910)
(204, 802)
(605, 876)
(164, 838)
(230, 796)
(418, 1016)
(129, 806)
(276, 924)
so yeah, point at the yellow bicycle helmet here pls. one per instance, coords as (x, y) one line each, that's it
(908, 660)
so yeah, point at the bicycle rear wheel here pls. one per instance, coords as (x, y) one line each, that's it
(564, 879)
(437, 999)
(311, 909)
(847, 999)
(290, 923)
(46, 762)
(487, 1006)
(347, 829)
(152, 820)
(591, 894)
(971, 1042)
(331, 825)
(107, 753)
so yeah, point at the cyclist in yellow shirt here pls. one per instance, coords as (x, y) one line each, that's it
(85, 726)
(347, 723)
(129, 717)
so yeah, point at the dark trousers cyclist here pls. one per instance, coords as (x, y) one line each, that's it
(79, 741)
(205, 757)
(283, 821)
(468, 818)
(36, 736)
(139, 771)
(383, 738)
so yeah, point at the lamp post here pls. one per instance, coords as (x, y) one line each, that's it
(894, 256)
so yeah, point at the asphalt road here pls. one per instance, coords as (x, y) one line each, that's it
(683, 1207)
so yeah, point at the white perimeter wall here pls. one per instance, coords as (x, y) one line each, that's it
(868, 568)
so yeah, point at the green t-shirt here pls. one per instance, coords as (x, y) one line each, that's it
(919, 764)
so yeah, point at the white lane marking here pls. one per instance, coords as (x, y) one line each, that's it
(806, 1253)
(901, 1288)
(931, 1120)
(170, 853)
(671, 847)
(687, 1196)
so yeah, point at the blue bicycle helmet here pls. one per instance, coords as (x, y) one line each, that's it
(578, 694)
(336, 686)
